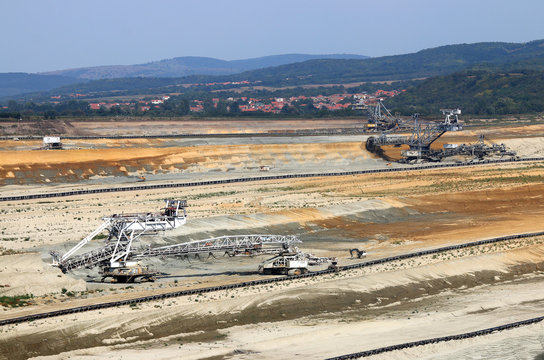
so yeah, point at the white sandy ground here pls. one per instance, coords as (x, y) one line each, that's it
(326, 334)
(43, 222)
(22, 274)
(519, 251)
(40, 222)
(28, 274)
(240, 222)
(516, 344)
(314, 338)
(526, 147)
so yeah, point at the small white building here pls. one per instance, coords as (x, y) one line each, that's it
(51, 143)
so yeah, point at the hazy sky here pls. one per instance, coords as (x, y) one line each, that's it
(44, 35)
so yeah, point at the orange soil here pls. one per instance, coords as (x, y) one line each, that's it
(457, 217)
(114, 161)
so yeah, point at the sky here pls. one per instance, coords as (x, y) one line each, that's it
(47, 35)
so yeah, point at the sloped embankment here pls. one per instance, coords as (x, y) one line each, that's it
(40, 166)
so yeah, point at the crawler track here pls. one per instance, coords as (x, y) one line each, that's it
(262, 281)
(439, 339)
(259, 178)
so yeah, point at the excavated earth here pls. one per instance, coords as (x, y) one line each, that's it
(385, 214)
(120, 126)
(106, 165)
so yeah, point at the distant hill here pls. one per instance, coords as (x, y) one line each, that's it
(425, 63)
(17, 83)
(422, 64)
(477, 92)
(20, 83)
(191, 65)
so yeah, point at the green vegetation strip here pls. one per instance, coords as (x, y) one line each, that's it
(15, 301)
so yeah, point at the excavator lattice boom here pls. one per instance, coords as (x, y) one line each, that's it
(119, 259)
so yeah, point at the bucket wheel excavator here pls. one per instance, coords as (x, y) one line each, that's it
(119, 259)
(381, 119)
(422, 137)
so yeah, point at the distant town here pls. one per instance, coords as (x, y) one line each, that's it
(274, 105)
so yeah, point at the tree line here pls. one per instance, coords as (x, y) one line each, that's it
(478, 92)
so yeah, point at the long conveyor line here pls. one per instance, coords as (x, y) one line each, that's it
(260, 178)
(78, 309)
(435, 340)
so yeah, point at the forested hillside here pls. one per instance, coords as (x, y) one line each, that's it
(425, 63)
(475, 92)
(482, 79)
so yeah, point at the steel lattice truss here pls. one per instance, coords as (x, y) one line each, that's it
(423, 135)
(232, 245)
(124, 229)
(89, 259)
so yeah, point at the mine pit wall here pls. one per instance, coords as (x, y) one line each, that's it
(156, 322)
(309, 224)
(36, 167)
(329, 231)
(333, 230)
